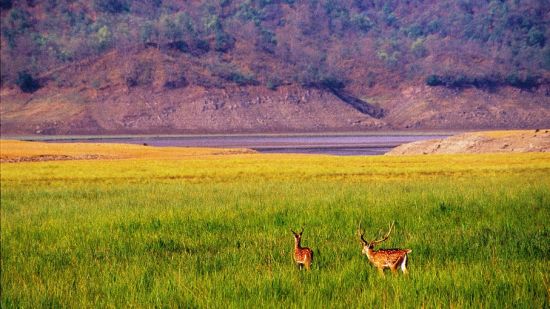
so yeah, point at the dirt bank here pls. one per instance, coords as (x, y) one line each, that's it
(480, 142)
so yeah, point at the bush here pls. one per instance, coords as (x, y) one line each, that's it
(267, 41)
(177, 82)
(147, 32)
(332, 82)
(418, 48)
(224, 42)
(390, 58)
(140, 74)
(414, 31)
(112, 6)
(5, 4)
(434, 26)
(104, 38)
(26, 82)
(362, 22)
(231, 73)
(527, 82)
(242, 79)
(317, 76)
(179, 46)
(483, 82)
(434, 80)
(170, 30)
(202, 45)
(273, 83)
(535, 37)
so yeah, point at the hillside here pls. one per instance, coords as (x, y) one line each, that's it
(480, 142)
(163, 66)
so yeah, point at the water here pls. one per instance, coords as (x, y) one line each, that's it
(342, 145)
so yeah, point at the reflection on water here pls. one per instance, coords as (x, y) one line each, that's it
(343, 145)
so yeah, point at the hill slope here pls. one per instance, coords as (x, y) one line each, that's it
(115, 66)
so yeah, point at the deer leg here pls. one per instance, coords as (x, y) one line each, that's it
(404, 265)
(381, 271)
(308, 265)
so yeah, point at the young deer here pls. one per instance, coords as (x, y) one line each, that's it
(384, 258)
(303, 256)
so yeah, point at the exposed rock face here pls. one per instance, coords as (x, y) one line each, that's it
(480, 142)
(197, 110)
(233, 109)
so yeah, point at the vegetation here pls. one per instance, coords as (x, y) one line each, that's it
(510, 37)
(232, 74)
(492, 81)
(26, 82)
(210, 230)
(141, 73)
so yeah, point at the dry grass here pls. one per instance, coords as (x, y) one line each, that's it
(15, 151)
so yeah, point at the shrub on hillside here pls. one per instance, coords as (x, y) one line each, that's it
(332, 82)
(230, 73)
(535, 37)
(179, 46)
(362, 22)
(202, 45)
(434, 80)
(26, 82)
(103, 38)
(223, 42)
(112, 6)
(5, 4)
(525, 82)
(273, 83)
(176, 82)
(141, 73)
(242, 79)
(18, 22)
(418, 49)
(491, 81)
(266, 41)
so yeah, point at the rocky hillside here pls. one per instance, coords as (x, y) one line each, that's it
(480, 142)
(164, 66)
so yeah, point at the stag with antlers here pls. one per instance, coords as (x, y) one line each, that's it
(384, 258)
(303, 256)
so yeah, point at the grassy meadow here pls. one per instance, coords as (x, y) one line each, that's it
(191, 228)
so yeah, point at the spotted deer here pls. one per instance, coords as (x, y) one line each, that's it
(303, 256)
(384, 258)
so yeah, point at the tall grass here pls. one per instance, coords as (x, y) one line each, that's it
(214, 231)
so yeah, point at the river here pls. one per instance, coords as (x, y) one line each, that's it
(331, 144)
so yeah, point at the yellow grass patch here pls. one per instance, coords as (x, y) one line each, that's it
(15, 151)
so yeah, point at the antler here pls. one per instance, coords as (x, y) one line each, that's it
(374, 242)
(302, 230)
(361, 234)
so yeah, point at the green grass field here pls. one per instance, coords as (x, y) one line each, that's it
(214, 230)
